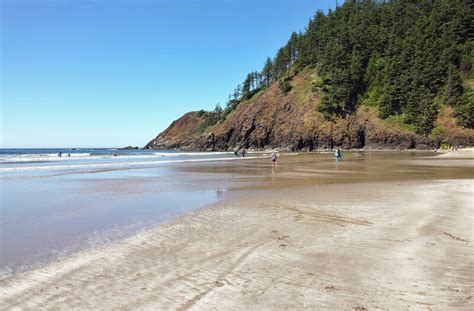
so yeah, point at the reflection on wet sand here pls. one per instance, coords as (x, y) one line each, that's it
(321, 168)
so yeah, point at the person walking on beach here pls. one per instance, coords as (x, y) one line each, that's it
(243, 153)
(274, 158)
(236, 153)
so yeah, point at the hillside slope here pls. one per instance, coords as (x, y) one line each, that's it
(369, 74)
(273, 119)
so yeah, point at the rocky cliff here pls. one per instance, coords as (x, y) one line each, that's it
(289, 121)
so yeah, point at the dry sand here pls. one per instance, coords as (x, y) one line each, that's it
(405, 245)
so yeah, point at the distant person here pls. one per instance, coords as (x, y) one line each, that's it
(68, 154)
(236, 153)
(274, 158)
(60, 154)
(243, 153)
(338, 155)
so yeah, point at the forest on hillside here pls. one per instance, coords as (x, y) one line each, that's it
(406, 58)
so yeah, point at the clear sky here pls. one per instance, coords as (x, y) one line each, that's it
(112, 73)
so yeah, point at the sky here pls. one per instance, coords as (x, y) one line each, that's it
(113, 73)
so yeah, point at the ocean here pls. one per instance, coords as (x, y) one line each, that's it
(40, 162)
(55, 202)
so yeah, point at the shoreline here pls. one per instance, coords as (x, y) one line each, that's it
(261, 250)
(323, 150)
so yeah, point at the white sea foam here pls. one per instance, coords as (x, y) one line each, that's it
(113, 164)
(48, 157)
(177, 154)
(41, 157)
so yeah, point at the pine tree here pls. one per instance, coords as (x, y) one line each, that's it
(453, 88)
(237, 92)
(464, 110)
(267, 71)
(247, 85)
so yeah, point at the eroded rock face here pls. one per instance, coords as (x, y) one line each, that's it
(288, 122)
(180, 134)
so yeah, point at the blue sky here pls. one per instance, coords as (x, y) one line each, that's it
(111, 73)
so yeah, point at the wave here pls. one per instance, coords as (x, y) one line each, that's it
(177, 154)
(41, 157)
(48, 157)
(114, 164)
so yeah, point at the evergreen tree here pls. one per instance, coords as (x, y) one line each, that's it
(464, 110)
(453, 88)
(267, 71)
(237, 92)
(247, 85)
(281, 62)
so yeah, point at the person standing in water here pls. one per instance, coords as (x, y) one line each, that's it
(274, 158)
(338, 155)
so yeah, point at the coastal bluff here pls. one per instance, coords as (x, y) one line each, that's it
(271, 118)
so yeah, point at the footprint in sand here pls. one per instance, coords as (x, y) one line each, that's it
(283, 238)
(298, 217)
(330, 288)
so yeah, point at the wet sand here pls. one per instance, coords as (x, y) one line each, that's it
(287, 240)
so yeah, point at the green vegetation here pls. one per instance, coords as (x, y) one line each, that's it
(445, 146)
(210, 117)
(404, 57)
(284, 84)
(464, 109)
(439, 131)
(399, 121)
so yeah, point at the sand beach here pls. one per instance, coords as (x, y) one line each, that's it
(287, 241)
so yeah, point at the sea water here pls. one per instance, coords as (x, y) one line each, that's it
(58, 201)
(28, 162)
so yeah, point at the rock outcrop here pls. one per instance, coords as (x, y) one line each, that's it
(129, 148)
